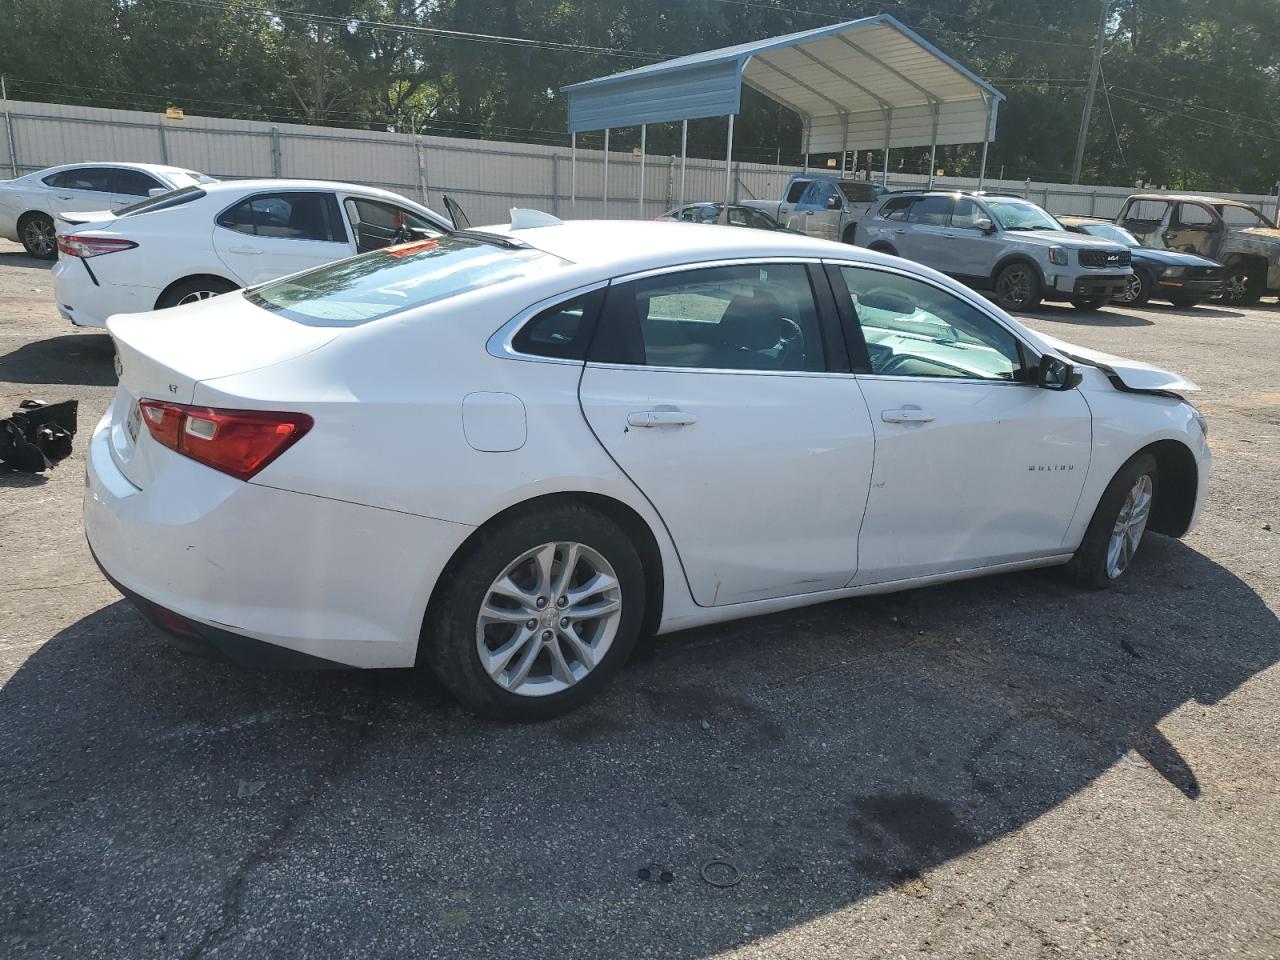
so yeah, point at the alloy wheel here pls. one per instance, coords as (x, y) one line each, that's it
(1129, 527)
(197, 295)
(548, 619)
(40, 237)
(1015, 287)
(1132, 289)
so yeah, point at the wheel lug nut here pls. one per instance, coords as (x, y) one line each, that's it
(562, 602)
(564, 621)
(542, 602)
(546, 634)
(531, 624)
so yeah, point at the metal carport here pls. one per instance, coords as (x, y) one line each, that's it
(865, 82)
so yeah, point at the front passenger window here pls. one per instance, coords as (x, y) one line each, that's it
(914, 329)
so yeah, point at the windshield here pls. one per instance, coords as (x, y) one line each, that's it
(1020, 215)
(1109, 231)
(163, 201)
(1241, 216)
(393, 279)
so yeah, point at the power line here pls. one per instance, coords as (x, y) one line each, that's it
(1201, 120)
(435, 32)
(1198, 106)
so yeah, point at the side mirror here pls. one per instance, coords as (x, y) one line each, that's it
(1055, 374)
(833, 202)
(157, 191)
(984, 224)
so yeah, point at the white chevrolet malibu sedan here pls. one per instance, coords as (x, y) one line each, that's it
(509, 453)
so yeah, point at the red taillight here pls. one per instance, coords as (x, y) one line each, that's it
(86, 247)
(238, 442)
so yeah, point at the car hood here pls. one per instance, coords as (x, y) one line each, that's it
(1170, 258)
(1132, 374)
(1062, 238)
(1267, 235)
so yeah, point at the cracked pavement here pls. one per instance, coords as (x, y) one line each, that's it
(1008, 767)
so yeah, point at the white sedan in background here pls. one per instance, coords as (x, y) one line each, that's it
(200, 241)
(508, 453)
(31, 205)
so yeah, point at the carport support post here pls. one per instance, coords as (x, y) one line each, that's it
(606, 172)
(573, 172)
(933, 146)
(684, 144)
(986, 141)
(728, 168)
(642, 140)
(888, 130)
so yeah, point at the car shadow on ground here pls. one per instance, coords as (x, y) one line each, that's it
(18, 259)
(162, 805)
(1108, 316)
(73, 358)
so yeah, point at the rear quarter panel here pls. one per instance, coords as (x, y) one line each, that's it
(387, 399)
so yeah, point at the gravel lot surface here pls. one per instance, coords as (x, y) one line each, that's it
(1005, 768)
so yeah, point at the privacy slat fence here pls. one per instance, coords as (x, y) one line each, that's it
(486, 177)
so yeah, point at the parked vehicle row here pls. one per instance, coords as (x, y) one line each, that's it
(1183, 279)
(30, 205)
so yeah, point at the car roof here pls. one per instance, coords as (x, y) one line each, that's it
(625, 246)
(1194, 198)
(275, 184)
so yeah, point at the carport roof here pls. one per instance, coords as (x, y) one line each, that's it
(856, 84)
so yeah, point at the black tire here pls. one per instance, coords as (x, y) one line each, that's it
(850, 232)
(38, 235)
(449, 641)
(1185, 301)
(1137, 290)
(1017, 286)
(1089, 566)
(193, 290)
(1089, 306)
(883, 248)
(1242, 281)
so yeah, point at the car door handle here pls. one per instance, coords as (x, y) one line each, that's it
(661, 418)
(66, 196)
(905, 416)
(248, 250)
(900, 230)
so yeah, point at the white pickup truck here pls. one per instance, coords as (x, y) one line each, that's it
(822, 205)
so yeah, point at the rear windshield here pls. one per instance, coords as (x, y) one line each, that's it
(164, 201)
(387, 281)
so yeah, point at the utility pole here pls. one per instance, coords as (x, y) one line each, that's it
(1088, 96)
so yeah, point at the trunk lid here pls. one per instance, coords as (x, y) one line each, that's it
(163, 355)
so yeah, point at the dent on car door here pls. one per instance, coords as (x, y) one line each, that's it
(710, 389)
(974, 466)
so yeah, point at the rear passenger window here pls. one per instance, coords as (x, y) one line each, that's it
(932, 211)
(758, 317)
(288, 216)
(796, 190)
(562, 331)
(896, 209)
(82, 178)
(1194, 215)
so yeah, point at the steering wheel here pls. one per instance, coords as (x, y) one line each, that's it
(792, 341)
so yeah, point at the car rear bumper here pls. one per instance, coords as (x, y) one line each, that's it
(85, 298)
(247, 568)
